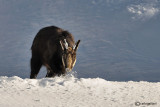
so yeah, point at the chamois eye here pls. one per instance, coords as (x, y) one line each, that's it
(74, 55)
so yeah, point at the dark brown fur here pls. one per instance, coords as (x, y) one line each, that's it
(47, 51)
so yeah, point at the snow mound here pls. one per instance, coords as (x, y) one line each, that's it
(73, 92)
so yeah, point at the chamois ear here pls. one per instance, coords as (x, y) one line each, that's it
(65, 44)
(61, 43)
(76, 45)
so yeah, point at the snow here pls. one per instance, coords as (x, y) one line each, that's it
(143, 11)
(73, 92)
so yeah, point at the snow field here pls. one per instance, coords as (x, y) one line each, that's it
(73, 92)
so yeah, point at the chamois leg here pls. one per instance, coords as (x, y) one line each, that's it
(35, 67)
(50, 72)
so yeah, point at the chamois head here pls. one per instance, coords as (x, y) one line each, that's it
(68, 54)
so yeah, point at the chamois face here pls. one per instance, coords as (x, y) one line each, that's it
(69, 59)
(68, 55)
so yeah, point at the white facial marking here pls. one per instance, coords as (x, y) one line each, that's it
(74, 63)
(63, 61)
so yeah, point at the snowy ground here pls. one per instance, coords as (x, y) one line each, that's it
(73, 92)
